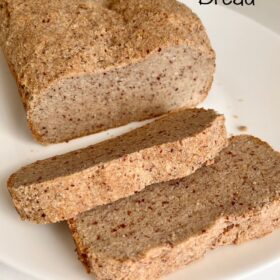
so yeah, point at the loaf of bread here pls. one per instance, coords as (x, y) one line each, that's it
(171, 147)
(83, 66)
(170, 224)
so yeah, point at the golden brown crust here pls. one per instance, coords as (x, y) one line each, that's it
(142, 25)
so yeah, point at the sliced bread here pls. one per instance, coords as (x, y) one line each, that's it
(171, 147)
(170, 224)
(83, 66)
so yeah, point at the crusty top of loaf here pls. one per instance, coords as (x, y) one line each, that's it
(167, 129)
(47, 40)
(244, 178)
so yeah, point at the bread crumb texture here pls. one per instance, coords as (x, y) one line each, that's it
(171, 147)
(170, 224)
(85, 66)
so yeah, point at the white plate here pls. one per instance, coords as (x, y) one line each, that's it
(246, 85)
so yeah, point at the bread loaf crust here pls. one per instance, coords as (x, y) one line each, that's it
(49, 42)
(171, 224)
(173, 146)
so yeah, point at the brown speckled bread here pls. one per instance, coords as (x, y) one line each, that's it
(171, 147)
(170, 224)
(83, 66)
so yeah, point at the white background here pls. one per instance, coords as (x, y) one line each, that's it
(266, 12)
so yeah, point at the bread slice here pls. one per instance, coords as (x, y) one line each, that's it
(173, 146)
(83, 66)
(170, 224)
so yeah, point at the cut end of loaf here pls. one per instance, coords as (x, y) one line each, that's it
(84, 104)
(170, 224)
